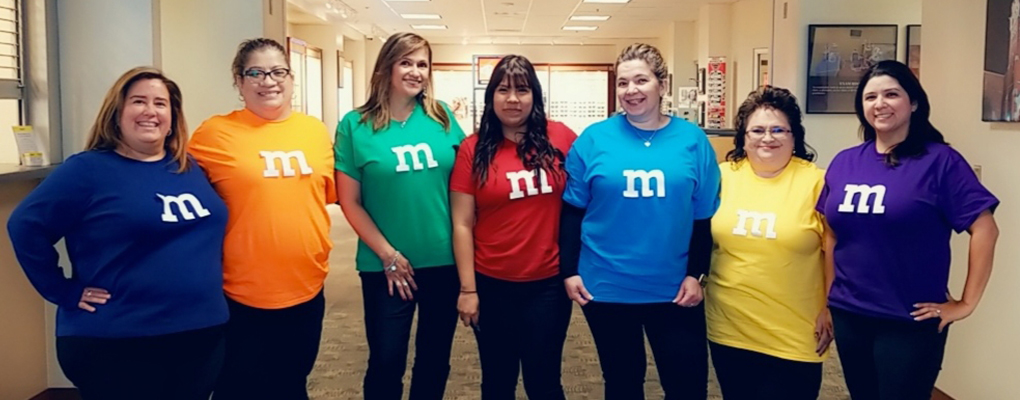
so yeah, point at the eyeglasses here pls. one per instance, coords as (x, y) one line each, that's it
(776, 132)
(258, 75)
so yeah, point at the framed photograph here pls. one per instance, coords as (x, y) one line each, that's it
(1000, 99)
(914, 49)
(838, 56)
(483, 66)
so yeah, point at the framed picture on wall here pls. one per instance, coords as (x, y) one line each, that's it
(1000, 99)
(483, 66)
(838, 56)
(760, 69)
(914, 49)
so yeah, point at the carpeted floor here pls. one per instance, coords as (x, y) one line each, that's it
(341, 364)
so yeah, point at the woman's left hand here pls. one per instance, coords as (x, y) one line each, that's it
(690, 294)
(950, 311)
(823, 331)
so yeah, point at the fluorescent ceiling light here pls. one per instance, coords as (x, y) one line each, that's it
(603, 1)
(580, 28)
(428, 26)
(398, 1)
(590, 18)
(421, 16)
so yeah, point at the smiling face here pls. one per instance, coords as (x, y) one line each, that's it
(146, 118)
(270, 89)
(887, 107)
(410, 74)
(512, 103)
(637, 88)
(768, 140)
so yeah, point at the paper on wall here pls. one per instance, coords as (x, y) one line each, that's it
(31, 151)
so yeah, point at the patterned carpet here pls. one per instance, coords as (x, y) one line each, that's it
(341, 364)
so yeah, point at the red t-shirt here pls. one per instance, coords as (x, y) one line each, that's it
(517, 212)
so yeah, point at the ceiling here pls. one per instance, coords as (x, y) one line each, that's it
(503, 21)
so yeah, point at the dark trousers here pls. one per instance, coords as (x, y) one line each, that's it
(676, 335)
(750, 375)
(521, 325)
(178, 366)
(885, 359)
(270, 352)
(388, 328)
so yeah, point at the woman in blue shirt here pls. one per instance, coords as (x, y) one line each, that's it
(143, 310)
(635, 238)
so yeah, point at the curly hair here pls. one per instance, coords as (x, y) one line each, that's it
(781, 100)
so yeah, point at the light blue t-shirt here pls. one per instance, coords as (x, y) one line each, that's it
(641, 205)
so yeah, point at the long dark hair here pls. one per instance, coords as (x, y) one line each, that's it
(921, 130)
(534, 149)
(779, 99)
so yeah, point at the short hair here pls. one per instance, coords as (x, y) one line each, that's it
(773, 98)
(247, 47)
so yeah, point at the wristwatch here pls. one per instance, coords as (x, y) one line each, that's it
(702, 281)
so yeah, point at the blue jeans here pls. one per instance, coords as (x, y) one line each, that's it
(388, 329)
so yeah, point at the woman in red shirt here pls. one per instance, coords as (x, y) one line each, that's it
(505, 196)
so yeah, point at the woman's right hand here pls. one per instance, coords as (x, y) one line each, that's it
(399, 275)
(94, 296)
(576, 290)
(467, 306)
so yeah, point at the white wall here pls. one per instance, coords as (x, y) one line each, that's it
(829, 133)
(354, 51)
(752, 28)
(198, 41)
(715, 32)
(94, 52)
(982, 354)
(538, 54)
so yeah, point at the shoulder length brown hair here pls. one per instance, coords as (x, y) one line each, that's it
(106, 134)
(377, 108)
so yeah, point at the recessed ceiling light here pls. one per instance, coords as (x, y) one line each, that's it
(428, 26)
(580, 28)
(590, 18)
(421, 16)
(603, 1)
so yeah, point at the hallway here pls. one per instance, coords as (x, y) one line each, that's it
(340, 367)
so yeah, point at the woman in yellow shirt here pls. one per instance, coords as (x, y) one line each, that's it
(768, 327)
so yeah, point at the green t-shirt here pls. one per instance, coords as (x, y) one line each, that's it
(404, 170)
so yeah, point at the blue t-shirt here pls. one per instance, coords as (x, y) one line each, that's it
(641, 203)
(151, 237)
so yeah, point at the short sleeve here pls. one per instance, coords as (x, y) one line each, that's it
(331, 196)
(343, 148)
(706, 193)
(962, 198)
(204, 147)
(578, 191)
(462, 178)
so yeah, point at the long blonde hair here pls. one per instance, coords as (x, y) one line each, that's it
(377, 108)
(106, 134)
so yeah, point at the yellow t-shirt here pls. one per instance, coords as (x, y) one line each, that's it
(276, 178)
(766, 287)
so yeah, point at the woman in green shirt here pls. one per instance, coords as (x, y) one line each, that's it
(394, 155)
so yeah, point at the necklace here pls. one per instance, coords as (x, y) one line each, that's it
(648, 141)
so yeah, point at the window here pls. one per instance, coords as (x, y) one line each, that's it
(306, 65)
(10, 78)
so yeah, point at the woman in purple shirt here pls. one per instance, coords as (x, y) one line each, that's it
(892, 203)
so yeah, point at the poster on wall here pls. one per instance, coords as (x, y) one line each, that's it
(914, 49)
(715, 93)
(1000, 101)
(483, 66)
(838, 56)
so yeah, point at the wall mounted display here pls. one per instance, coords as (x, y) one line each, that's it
(838, 56)
(715, 93)
(483, 66)
(1000, 101)
(914, 49)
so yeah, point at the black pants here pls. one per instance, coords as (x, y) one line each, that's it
(270, 352)
(388, 328)
(521, 325)
(885, 359)
(676, 335)
(750, 375)
(178, 366)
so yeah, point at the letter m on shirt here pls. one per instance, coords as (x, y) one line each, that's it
(285, 159)
(645, 177)
(182, 201)
(414, 151)
(863, 193)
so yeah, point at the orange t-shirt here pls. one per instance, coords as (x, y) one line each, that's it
(276, 178)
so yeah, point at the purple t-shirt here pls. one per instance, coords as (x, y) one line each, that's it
(893, 226)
